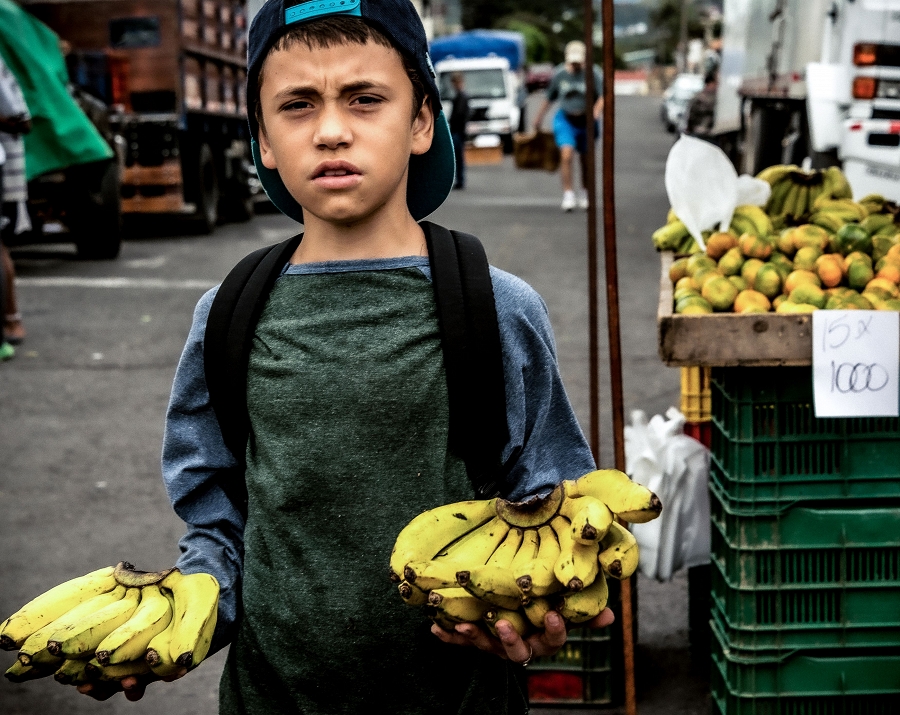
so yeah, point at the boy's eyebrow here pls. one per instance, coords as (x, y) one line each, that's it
(306, 90)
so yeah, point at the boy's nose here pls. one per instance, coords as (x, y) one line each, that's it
(332, 130)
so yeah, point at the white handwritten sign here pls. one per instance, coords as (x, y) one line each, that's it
(856, 363)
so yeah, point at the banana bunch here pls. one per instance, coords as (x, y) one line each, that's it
(751, 219)
(113, 623)
(491, 560)
(674, 236)
(795, 192)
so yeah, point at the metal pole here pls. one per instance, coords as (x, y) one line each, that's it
(683, 36)
(612, 315)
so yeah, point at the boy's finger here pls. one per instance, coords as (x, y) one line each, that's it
(480, 639)
(606, 618)
(516, 649)
(554, 635)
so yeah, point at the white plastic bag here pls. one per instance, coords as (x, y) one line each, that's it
(676, 467)
(704, 189)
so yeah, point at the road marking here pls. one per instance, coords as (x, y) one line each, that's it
(505, 201)
(155, 262)
(114, 282)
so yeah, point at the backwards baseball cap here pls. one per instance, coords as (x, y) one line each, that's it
(431, 174)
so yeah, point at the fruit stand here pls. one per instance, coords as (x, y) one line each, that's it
(804, 609)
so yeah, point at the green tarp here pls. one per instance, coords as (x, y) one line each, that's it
(61, 134)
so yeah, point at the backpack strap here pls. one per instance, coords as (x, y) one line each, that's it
(470, 342)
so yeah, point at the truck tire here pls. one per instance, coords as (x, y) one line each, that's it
(97, 225)
(206, 192)
(237, 203)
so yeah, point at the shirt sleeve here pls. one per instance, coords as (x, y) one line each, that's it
(553, 87)
(546, 443)
(194, 457)
(598, 82)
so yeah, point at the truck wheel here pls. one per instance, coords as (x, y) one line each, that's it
(507, 141)
(99, 228)
(206, 196)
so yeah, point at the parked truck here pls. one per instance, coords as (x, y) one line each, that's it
(171, 74)
(817, 79)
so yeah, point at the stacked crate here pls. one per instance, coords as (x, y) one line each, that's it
(696, 402)
(805, 573)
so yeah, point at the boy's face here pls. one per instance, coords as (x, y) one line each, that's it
(338, 127)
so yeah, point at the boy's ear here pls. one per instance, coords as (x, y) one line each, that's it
(423, 129)
(265, 149)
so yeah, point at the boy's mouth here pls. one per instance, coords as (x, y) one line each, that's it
(336, 175)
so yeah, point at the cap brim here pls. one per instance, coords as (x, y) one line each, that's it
(431, 177)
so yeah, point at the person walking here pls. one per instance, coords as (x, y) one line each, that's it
(569, 87)
(459, 115)
(14, 122)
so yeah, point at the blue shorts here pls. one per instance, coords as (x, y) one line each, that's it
(567, 134)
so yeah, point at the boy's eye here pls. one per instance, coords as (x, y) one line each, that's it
(299, 104)
(366, 99)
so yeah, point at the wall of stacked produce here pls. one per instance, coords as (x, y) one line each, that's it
(811, 247)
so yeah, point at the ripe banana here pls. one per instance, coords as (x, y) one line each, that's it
(586, 604)
(828, 220)
(506, 552)
(619, 552)
(83, 636)
(477, 546)
(429, 575)
(535, 578)
(576, 568)
(535, 609)
(533, 512)
(158, 656)
(590, 518)
(196, 609)
(457, 605)
(514, 618)
(129, 641)
(775, 205)
(50, 605)
(628, 500)
(431, 531)
(760, 220)
(668, 237)
(94, 670)
(777, 173)
(72, 672)
(19, 673)
(837, 183)
(494, 584)
(527, 551)
(411, 595)
(34, 649)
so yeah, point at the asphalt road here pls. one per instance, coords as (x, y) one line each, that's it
(82, 404)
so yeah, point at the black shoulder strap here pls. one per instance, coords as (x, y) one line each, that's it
(470, 340)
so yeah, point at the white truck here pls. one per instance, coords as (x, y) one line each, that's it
(817, 79)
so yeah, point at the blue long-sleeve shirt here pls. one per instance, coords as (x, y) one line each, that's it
(546, 444)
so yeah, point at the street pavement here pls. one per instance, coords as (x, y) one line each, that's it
(82, 404)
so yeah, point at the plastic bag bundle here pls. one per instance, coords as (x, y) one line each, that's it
(676, 467)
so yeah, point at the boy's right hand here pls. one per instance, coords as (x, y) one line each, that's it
(133, 686)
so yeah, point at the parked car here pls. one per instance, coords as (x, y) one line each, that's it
(538, 76)
(676, 99)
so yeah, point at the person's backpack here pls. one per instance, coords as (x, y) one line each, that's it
(470, 341)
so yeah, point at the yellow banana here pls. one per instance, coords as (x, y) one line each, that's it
(514, 618)
(506, 552)
(776, 173)
(457, 605)
(94, 670)
(790, 201)
(535, 609)
(628, 500)
(72, 672)
(527, 551)
(590, 518)
(158, 656)
(50, 605)
(431, 531)
(20, 673)
(412, 595)
(619, 553)
(494, 584)
(429, 575)
(477, 546)
(196, 609)
(667, 237)
(775, 205)
(838, 185)
(585, 604)
(83, 636)
(34, 649)
(830, 221)
(535, 578)
(759, 218)
(576, 568)
(129, 641)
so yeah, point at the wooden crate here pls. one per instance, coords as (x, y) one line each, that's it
(728, 339)
(477, 155)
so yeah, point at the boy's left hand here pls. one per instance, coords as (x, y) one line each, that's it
(510, 645)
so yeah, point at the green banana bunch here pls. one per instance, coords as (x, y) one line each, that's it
(670, 236)
(829, 220)
(835, 184)
(756, 218)
(847, 209)
(776, 174)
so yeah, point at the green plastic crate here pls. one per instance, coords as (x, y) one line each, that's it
(806, 673)
(813, 607)
(726, 702)
(587, 655)
(773, 525)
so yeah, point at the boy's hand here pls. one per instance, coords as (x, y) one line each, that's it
(510, 645)
(133, 686)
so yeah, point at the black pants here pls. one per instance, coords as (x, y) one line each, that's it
(459, 144)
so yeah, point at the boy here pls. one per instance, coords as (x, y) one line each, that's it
(347, 395)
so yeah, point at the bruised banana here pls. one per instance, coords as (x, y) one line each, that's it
(626, 499)
(620, 553)
(477, 546)
(158, 655)
(518, 622)
(196, 610)
(456, 605)
(577, 567)
(429, 575)
(129, 641)
(20, 673)
(494, 584)
(412, 595)
(585, 604)
(72, 672)
(34, 649)
(433, 530)
(52, 604)
(590, 518)
(83, 636)
(535, 578)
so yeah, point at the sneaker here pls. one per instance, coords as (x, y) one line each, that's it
(7, 351)
(583, 200)
(569, 202)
